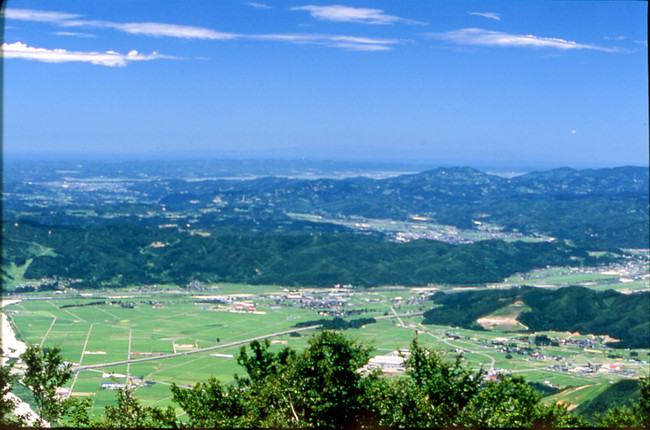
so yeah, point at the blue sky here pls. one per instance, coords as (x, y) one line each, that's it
(509, 83)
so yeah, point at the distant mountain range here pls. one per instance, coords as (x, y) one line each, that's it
(117, 230)
(605, 207)
(599, 208)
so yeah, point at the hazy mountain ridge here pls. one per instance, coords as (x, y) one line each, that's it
(606, 208)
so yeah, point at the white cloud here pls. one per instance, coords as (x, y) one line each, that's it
(108, 58)
(67, 20)
(491, 15)
(352, 43)
(477, 36)
(37, 15)
(154, 29)
(74, 34)
(339, 13)
(168, 30)
(258, 5)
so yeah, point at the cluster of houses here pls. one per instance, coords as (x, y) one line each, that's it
(231, 303)
(332, 303)
(131, 382)
(593, 368)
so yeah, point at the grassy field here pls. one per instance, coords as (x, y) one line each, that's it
(105, 327)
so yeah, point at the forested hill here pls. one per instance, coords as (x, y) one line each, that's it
(621, 316)
(119, 255)
(599, 208)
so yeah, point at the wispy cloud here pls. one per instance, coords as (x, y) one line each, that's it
(108, 58)
(480, 37)
(38, 15)
(491, 15)
(74, 34)
(339, 13)
(351, 43)
(258, 5)
(167, 30)
(153, 29)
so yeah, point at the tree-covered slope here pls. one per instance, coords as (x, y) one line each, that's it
(621, 316)
(127, 254)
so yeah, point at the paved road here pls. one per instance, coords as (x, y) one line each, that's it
(225, 345)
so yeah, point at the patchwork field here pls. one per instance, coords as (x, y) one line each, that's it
(108, 335)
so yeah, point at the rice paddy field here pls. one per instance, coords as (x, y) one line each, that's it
(189, 335)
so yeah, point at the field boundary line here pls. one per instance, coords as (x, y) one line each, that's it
(67, 311)
(399, 319)
(47, 333)
(128, 356)
(83, 353)
(108, 313)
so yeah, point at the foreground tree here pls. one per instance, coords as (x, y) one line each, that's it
(211, 404)
(322, 386)
(509, 401)
(445, 387)
(45, 372)
(7, 404)
(129, 413)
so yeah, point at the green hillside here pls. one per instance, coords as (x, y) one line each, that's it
(621, 316)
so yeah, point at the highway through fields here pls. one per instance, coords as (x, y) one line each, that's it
(225, 345)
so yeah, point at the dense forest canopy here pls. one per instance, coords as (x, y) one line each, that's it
(125, 254)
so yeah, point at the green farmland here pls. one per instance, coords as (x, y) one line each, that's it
(114, 336)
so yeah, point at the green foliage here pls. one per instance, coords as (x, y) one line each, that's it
(619, 393)
(323, 386)
(319, 387)
(448, 386)
(621, 316)
(543, 389)
(8, 405)
(262, 363)
(511, 402)
(118, 255)
(634, 414)
(210, 404)
(129, 413)
(45, 372)
(445, 393)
